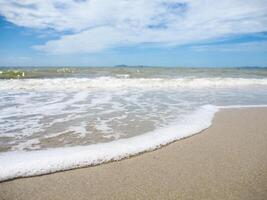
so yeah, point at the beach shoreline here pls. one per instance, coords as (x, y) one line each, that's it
(225, 161)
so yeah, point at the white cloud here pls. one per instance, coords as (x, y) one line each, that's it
(232, 47)
(96, 25)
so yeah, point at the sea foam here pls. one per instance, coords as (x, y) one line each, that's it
(109, 83)
(22, 164)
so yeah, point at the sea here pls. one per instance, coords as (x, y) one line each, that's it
(59, 118)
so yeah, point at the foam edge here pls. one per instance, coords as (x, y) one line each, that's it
(23, 164)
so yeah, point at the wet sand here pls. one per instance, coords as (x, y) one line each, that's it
(226, 161)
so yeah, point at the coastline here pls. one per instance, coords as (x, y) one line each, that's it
(225, 161)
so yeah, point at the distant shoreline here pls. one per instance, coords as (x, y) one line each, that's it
(140, 66)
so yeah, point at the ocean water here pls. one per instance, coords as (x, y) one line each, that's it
(72, 117)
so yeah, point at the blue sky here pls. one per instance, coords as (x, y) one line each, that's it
(142, 32)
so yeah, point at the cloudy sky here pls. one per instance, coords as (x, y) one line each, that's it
(136, 32)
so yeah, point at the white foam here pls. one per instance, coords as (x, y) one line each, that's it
(118, 83)
(79, 130)
(29, 144)
(22, 164)
(242, 106)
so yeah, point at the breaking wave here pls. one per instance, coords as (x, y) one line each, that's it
(118, 83)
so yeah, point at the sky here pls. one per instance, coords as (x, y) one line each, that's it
(185, 33)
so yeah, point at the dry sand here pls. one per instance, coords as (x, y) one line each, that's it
(226, 161)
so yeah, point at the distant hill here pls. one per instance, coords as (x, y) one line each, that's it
(129, 66)
(121, 66)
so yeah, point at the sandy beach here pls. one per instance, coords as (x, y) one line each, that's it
(226, 161)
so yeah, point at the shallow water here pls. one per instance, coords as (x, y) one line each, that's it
(53, 119)
(63, 107)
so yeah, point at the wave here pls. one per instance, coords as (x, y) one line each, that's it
(23, 164)
(119, 83)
